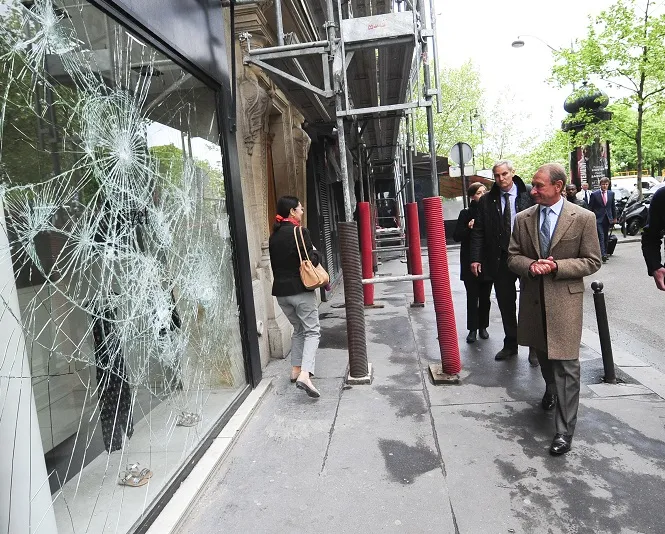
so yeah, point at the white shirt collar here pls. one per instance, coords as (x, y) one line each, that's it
(512, 192)
(556, 208)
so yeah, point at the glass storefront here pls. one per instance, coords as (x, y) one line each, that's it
(116, 268)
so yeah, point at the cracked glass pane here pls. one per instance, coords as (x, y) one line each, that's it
(117, 300)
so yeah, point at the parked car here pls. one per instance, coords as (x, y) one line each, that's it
(630, 183)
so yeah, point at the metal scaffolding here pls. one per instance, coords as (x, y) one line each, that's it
(370, 67)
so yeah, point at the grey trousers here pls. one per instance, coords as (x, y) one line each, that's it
(563, 378)
(302, 312)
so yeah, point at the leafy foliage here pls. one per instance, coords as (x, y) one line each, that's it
(625, 47)
(461, 101)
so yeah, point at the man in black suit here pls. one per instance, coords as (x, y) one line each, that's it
(490, 237)
(602, 204)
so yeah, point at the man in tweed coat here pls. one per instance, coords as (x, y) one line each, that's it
(552, 248)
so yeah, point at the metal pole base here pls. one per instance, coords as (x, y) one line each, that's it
(440, 378)
(360, 380)
(417, 304)
(375, 305)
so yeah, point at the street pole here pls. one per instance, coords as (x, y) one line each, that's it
(461, 166)
(428, 98)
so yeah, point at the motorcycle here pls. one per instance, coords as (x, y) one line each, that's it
(634, 216)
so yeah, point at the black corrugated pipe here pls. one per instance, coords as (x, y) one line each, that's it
(353, 296)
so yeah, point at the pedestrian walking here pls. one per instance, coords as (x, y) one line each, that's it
(490, 238)
(602, 203)
(478, 289)
(652, 238)
(298, 303)
(552, 249)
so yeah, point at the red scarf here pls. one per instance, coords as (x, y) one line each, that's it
(279, 218)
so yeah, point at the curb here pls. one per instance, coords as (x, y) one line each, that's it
(177, 509)
(628, 363)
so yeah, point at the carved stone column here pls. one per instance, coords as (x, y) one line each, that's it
(278, 326)
(301, 144)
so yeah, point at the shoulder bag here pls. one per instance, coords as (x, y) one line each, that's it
(312, 277)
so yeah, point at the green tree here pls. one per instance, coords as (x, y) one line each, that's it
(462, 111)
(554, 149)
(625, 46)
(505, 135)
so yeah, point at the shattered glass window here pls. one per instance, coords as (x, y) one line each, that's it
(118, 321)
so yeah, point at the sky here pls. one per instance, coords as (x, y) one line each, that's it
(483, 30)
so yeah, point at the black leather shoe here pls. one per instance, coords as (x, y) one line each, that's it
(483, 333)
(560, 444)
(505, 353)
(533, 358)
(604, 259)
(471, 336)
(549, 401)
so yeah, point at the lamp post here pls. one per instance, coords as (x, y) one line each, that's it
(519, 42)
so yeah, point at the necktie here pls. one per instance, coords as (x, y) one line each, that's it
(604, 193)
(506, 219)
(545, 233)
(586, 197)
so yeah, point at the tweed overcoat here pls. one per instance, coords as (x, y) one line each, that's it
(556, 298)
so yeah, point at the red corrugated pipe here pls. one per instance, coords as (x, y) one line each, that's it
(441, 293)
(415, 258)
(366, 250)
(375, 223)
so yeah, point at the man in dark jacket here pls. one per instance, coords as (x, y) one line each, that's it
(652, 238)
(571, 195)
(489, 245)
(602, 204)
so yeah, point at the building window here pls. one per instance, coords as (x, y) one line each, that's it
(121, 296)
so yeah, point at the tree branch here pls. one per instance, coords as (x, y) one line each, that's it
(625, 75)
(653, 93)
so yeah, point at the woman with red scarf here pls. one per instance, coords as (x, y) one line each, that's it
(298, 303)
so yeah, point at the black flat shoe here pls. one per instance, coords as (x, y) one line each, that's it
(310, 390)
(471, 336)
(533, 358)
(549, 401)
(483, 333)
(505, 353)
(560, 444)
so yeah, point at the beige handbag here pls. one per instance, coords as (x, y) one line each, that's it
(312, 277)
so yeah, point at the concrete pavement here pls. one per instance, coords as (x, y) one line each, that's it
(403, 455)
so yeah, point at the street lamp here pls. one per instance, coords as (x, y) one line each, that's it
(519, 42)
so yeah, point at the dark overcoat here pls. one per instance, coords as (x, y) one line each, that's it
(462, 234)
(556, 298)
(487, 234)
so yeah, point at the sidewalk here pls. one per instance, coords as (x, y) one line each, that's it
(402, 455)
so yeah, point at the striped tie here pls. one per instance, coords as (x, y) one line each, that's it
(545, 234)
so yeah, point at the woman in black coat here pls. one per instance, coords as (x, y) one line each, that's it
(298, 303)
(477, 288)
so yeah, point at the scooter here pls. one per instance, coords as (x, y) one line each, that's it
(634, 217)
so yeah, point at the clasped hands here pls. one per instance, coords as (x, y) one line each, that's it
(543, 266)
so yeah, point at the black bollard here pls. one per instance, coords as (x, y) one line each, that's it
(604, 332)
